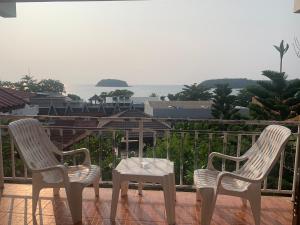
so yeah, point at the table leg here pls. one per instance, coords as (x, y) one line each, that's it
(140, 188)
(169, 199)
(115, 194)
(124, 188)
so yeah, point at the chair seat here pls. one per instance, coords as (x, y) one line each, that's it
(205, 178)
(83, 174)
(77, 174)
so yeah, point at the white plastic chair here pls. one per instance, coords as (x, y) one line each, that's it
(38, 153)
(246, 181)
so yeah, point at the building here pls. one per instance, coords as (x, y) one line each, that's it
(179, 109)
(15, 102)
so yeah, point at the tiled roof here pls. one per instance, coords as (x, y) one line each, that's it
(12, 99)
(180, 104)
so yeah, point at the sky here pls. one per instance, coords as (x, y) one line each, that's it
(148, 42)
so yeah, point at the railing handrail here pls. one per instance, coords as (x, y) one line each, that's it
(114, 118)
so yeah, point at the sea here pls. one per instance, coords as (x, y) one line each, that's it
(85, 91)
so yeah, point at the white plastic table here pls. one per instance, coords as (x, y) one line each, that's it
(151, 170)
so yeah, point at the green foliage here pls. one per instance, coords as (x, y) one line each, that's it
(276, 99)
(194, 92)
(223, 103)
(153, 95)
(28, 83)
(120, 93)
(74, 97)
(50, 85)
(243, 98)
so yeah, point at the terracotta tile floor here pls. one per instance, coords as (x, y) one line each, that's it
(15, 209)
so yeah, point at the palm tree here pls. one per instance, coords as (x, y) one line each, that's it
(282, 50)
(276, 99)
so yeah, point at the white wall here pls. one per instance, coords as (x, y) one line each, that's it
(26, 111)
(148, 109)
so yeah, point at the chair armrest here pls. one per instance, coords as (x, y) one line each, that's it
(62, 169)
(235, 176)
(223, 156)
(87, 159)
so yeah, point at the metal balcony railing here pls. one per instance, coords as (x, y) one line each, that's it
(187, 142)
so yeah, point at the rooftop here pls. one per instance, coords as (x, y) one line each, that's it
(180, 104)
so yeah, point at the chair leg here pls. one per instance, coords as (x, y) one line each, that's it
(198, 195)
(208, 201)
(35, 197)
(56, 191)
(74, 196)
(244, 201)
(96, 187)
(255, 203)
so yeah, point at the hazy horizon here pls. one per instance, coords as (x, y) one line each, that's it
(155, 42)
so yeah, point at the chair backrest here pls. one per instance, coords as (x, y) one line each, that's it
(33, 143)
(263, 155)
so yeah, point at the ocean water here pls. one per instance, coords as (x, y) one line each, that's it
(85, 91)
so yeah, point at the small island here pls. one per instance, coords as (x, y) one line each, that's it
(233, 82)
(111, 83)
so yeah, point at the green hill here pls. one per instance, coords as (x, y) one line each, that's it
(233, 82)
(111, 83)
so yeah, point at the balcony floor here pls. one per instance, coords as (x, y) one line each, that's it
(15, 208)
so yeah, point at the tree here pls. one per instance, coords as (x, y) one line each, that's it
(282, 50)
(120, 93)
(103, 96)
(74, 97)
(276, 99)
(223, 103)
(243, 98)
(50, 85)
(194, 92)
(153, 95)
(27, 83)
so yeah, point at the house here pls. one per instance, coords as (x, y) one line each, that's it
(16, 102)
(179, 109)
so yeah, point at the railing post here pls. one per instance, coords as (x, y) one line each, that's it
(154, 144)
(61, 134)
(296, 182)
(12, 155)
(181, 159)
(168, 144)
(114, 148)
(127, 143)
(1, 162)
(238, 151)
(141, 141)
(280, 170)
(196, 151)
(210, 137)
(224, 151)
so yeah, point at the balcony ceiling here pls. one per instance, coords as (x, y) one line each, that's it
(8, 7)
(297, 6)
